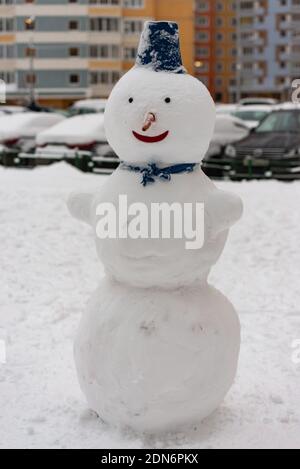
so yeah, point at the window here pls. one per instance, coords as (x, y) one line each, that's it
(74, 52)
(283, 121)
(30, 52)
(105, 51)
(6, 24)
(30, 78)
(202, 21)
(202, 5)
(73, 25)
(130, 53)
(133, 26)
(8, 77)
(104, 77)
(7, 51)
(202, 36)
(133, 3)
(105, 24)
(105, 2)
(202, 51)
(74, 79)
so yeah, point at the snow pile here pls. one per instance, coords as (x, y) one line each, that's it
(48, 270)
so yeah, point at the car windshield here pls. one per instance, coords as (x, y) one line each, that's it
(257, 116)
(281, 122)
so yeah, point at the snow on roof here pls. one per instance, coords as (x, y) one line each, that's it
(226, 108)
(27, 124)
(256, 107)
(226, 123)
(288, 106)
(229, 108)
(96, 104)
(81, 129)
(257, 100)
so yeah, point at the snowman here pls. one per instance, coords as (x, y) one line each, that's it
(157, 348)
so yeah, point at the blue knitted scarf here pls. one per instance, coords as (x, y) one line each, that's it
(151, 173)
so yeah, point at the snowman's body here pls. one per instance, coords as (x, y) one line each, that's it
(158, 347)
(162, 263)
(156, 360)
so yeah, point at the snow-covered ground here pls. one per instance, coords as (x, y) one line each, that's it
(48, 269)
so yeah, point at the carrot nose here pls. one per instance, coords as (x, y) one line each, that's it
(149, 120)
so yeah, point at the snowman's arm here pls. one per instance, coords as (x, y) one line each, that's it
(223, 210)
(79, 205)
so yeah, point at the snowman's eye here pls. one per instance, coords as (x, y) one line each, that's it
(130, 100)
(168, 100)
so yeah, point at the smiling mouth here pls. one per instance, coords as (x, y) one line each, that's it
(145, 139)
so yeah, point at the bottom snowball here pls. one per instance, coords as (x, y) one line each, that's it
(155, 360)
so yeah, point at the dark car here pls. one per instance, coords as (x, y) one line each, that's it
(271, 151)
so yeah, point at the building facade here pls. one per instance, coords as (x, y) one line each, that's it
(71, 49)
(63, 50)
(215, 46)
(269, 47)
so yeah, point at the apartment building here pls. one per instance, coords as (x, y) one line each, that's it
(269, 47)
(215, 46)
(63, 50)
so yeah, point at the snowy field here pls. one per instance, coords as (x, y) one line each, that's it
(48, 270)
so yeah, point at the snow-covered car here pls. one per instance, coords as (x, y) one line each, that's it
(228, 129)
(88, 106)
(252, 115)
(80, 140)
(18, 131)
(271, 151)
(5, 109)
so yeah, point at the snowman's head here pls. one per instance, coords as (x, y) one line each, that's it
(160, 117)
(157, 113)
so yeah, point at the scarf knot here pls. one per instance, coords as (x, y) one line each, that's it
(152, 172)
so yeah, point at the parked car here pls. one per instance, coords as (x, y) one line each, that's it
(6, 109)
(88, 106)
(18, 132)
(272, 150)
(258, 101)
(252, 115)
(80, 140)
(228, 129)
